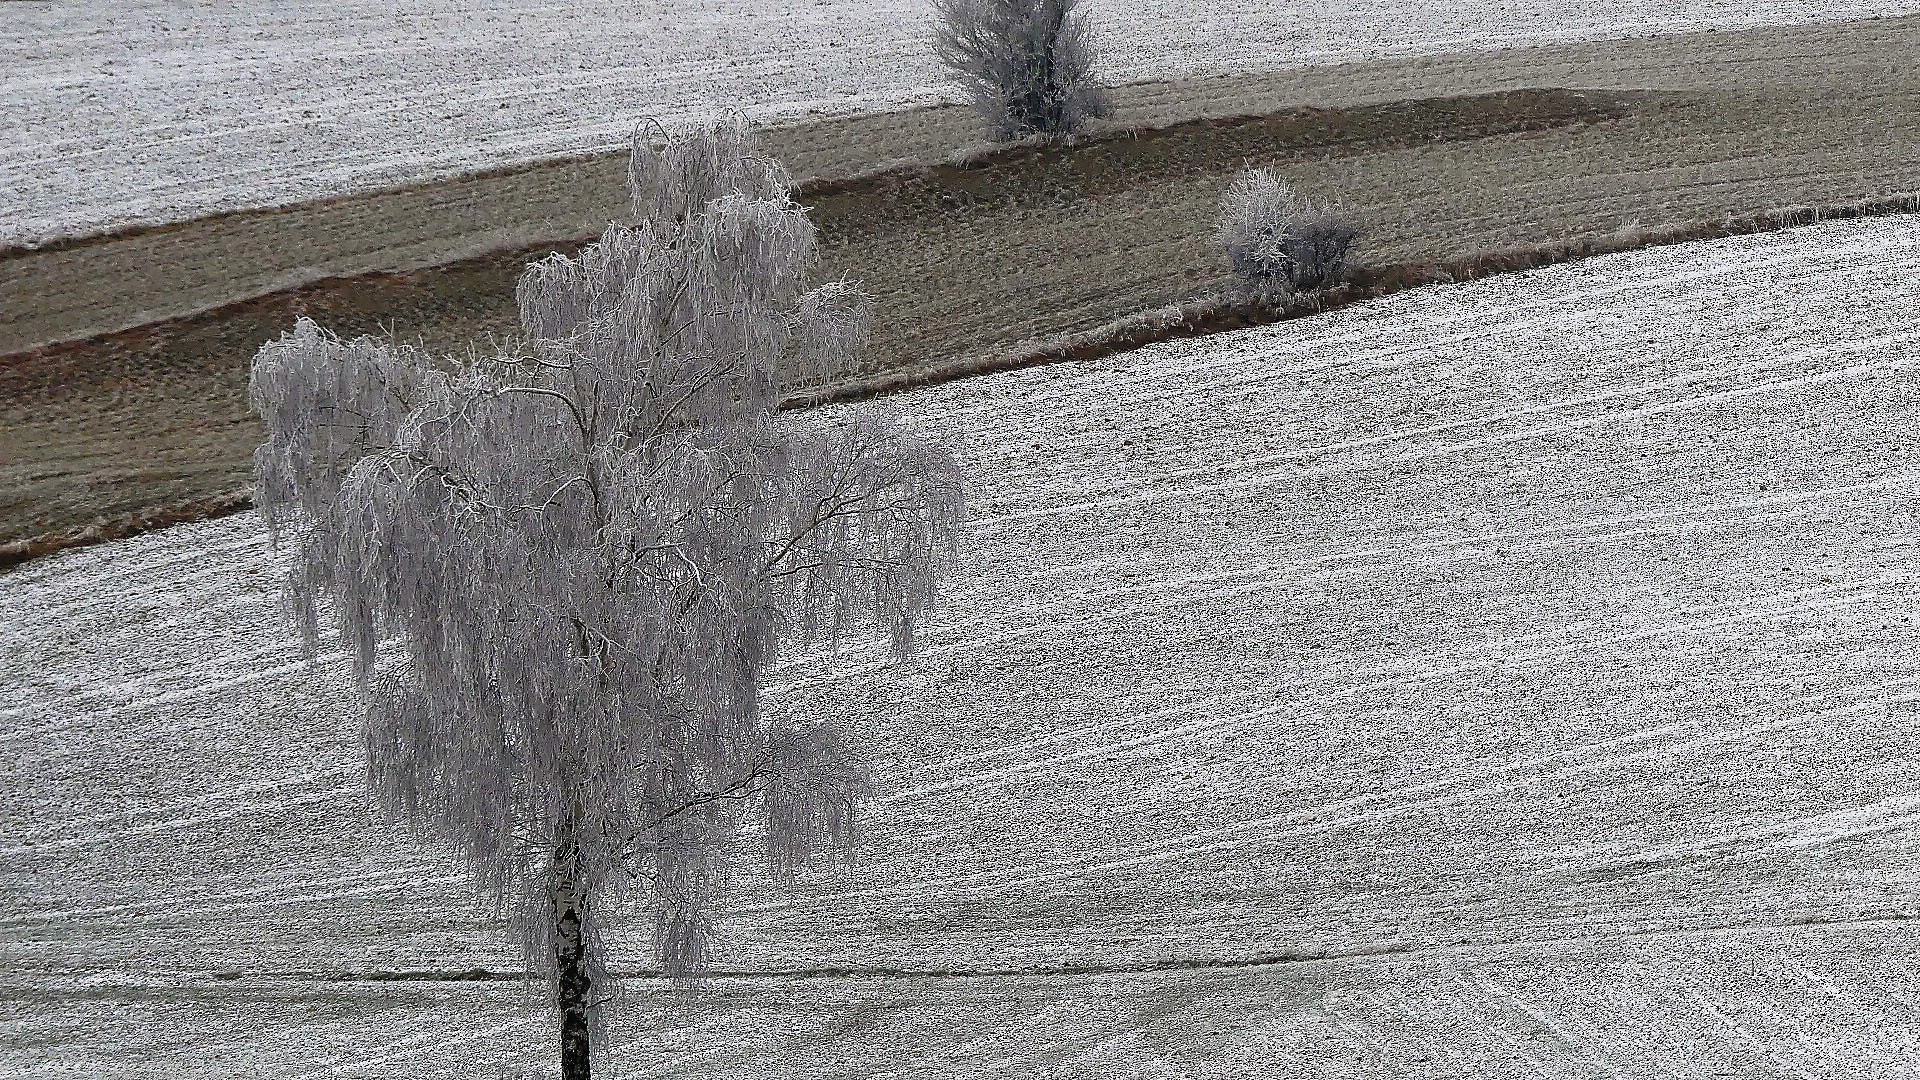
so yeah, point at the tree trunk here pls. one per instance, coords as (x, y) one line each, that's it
(570, 959)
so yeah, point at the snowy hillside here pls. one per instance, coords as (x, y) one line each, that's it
(1515, 679)
(123, 111)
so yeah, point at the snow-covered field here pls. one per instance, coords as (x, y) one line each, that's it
(1525, 671)
(124, 111)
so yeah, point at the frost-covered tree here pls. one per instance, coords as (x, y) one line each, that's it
(1026, 64)
(588, 548)
(1279, 242)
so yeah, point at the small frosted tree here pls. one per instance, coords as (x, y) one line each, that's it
(1281, 243)
(1026, 64)
(591, 546)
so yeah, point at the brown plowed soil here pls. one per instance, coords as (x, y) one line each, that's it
(1442, 156)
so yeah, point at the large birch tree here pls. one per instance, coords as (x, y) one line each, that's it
(582, 553)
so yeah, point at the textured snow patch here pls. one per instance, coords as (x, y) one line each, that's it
(1526, 669)
(148, 110)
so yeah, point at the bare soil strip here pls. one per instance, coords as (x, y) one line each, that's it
(1443, 156)
(1222, 313)
(509, 216)
(72, 289)
(1207, 316)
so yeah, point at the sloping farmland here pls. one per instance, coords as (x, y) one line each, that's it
(149, 111)
(1513, 679)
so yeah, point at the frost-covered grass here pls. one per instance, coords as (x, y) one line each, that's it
(1531, 663)
(149, 110)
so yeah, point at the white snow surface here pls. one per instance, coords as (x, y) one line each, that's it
(1525, 670)
(122, 111)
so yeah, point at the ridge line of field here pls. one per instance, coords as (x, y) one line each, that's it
(1170, 966)
(1193, 319)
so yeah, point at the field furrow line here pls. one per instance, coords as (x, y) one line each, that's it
(242, 792)
(185, 693)
(139, 559)
(1314, 823)
(1489, 1013)
(1580, 1046)
(90, 583)
(1427, 322)
(1484, 648)
(1000, 523)
(1033, 619)
(333, 795)
(427, 1045)
(174, 905)
(118, 695)
(410, 883)
(1477, 661)
(1453, 788)
(1761, 842)
(1777, 362)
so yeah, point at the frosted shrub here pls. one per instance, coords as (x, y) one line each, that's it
(1026, 64)
(1281, 243)
(588, 550)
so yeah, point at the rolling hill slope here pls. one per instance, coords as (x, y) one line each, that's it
(1506, 679)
